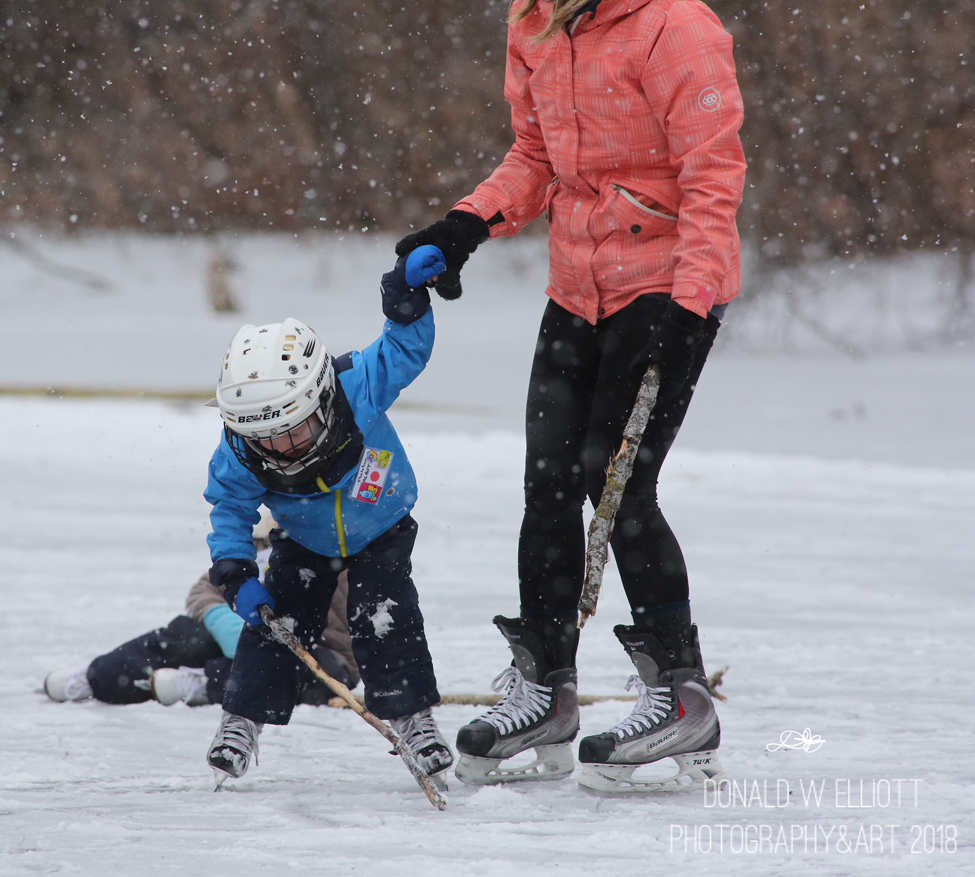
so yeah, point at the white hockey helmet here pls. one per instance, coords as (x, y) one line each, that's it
(273, 379)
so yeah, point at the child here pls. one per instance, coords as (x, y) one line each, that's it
(306, 435)
(189, 659)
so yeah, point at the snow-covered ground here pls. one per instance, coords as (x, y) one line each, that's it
(825, 505)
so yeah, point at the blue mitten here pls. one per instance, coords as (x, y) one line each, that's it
(251, 595)
(405, 301)
(423, 264)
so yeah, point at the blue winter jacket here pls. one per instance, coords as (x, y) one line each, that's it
(334, 523)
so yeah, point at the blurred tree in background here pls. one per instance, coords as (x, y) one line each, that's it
(860, 124)
(186, 115)
(286, 114)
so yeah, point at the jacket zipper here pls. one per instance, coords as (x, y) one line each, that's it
(339, 525)
(643, 207)
(550, 195)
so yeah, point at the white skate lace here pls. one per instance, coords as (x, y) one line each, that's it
(190, 683)
(418, 731)
(652, 707)
(524, 702)
(239, 734)
(77, 686)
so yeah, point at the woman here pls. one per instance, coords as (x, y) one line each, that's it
(626, 115)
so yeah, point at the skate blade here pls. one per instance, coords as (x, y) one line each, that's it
(616, 780)
(439, 780)
(220, 777)
(553, 762)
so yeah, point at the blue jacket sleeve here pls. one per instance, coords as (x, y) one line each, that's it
(387, 366)
(236, 496)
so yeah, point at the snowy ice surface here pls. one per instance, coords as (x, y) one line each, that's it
(825, 506)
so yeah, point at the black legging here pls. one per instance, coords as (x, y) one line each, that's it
(580, 396)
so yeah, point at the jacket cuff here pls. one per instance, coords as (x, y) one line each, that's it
(697, 299)
(231, 574)
(402, 303)
(489, 212)
(473, 226)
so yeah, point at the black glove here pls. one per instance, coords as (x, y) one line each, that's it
(231, 575)
(671, 345)
(457, 236)
(403, 303)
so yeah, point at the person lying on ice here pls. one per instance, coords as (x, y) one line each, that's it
(306, 434)
(189, 659)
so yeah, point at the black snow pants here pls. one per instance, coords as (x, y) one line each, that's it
(122, 675)
(579, 399)
(388, 639)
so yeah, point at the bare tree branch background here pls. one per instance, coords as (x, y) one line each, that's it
(181, 116)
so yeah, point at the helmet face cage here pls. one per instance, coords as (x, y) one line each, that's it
(289, 456)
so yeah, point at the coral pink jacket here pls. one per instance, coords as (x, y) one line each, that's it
(626, 135)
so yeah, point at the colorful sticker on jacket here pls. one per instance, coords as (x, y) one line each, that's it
(369, 480)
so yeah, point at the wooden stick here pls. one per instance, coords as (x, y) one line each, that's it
(714, 680)
(300, 652)
(493, 699)
(620, 469)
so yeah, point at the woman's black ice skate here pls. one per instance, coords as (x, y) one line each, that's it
(230, 752)
(421, 734)
(540, 711)
(674, 717)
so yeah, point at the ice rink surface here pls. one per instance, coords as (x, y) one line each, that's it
(825, 506)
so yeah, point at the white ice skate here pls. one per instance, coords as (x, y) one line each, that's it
(188, 684)
(232, 747)
(674, 718)
(62, 685)
(421, 734)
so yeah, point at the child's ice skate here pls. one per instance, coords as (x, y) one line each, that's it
(674, 717)
(421, 734)
(230, 752)
(188, 684)
(540, 711)
(62, 685)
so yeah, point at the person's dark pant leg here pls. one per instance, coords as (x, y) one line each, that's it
(122, 675)
(217, 671)
(646, 550)
(580, 396)
(314, 692)
(386, 624)
(267, 678)
(551, 548)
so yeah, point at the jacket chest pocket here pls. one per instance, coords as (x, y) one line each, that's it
(635, 218)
